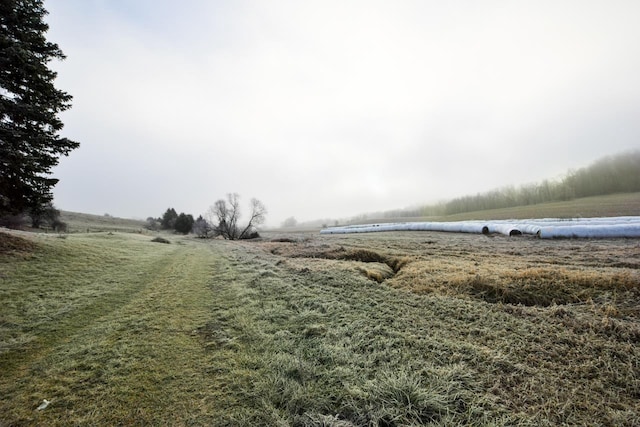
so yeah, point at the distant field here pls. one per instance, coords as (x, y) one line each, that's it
(626, 204)
(84, 223)
(300, 329)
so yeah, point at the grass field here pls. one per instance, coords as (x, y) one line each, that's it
(384, 329)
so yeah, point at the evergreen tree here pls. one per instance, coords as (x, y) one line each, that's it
(169, 219)
(184, 223)
(29, 106)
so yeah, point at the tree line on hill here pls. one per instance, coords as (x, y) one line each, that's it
(609, 175)
(612, 174)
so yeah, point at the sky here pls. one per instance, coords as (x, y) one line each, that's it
(331, 109)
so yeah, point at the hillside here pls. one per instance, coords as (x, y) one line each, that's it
(625, 204)
(576, 194)
(85, 223)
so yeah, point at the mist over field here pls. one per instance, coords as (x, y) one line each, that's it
(334, 109)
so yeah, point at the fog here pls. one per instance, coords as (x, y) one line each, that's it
(329, 109)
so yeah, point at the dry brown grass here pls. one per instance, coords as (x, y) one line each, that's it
(539, 286)
(376, 271)
(519, 270)
(565, 352)
(11, 244)
(373, 265)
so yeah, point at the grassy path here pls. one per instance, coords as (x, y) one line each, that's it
(106, 328)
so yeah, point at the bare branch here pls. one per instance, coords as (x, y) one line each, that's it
(258, 214)
(227, 214)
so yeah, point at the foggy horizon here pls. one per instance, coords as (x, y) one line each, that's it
(335, 109)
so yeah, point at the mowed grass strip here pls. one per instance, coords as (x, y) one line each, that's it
(105, 328)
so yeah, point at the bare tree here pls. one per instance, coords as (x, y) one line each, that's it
(258, 214)
(227, 214)
(202, 228)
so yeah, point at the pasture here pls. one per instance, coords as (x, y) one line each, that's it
(86, 223)
(304, 329)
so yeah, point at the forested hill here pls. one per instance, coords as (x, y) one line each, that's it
(609, 175)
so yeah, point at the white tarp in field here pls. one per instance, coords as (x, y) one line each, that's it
(546, 228)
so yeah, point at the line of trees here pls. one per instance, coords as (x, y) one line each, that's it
(609, 175)
(171, 220)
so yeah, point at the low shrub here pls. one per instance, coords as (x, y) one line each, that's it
(160, 240)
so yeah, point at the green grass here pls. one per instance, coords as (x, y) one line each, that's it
(103, 326)
(329, 347)
(114, 329)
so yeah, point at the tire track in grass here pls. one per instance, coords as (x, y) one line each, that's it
(65, 289)
(133, 356)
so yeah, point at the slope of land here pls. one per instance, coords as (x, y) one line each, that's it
(85, 223)
(623, 204)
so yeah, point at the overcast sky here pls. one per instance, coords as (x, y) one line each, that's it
(329, 109)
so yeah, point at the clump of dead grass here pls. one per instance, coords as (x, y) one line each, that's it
(579, 278)
(15, 245)
(160, 240)
(379, 267)
(376, 271)
(545, 286)
(536, 286)
(369, 256)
